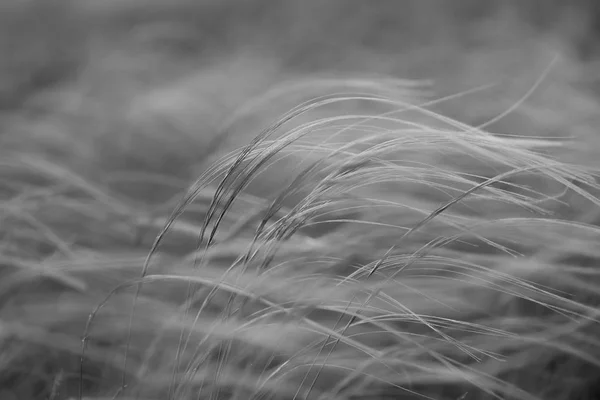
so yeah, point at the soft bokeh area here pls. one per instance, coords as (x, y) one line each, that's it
(299, 199)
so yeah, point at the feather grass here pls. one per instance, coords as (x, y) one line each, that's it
(361, 246)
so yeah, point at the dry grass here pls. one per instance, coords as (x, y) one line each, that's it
(257, 230)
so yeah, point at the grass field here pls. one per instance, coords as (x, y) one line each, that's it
(299, 200)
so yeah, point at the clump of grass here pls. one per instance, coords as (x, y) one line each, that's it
(361, 246)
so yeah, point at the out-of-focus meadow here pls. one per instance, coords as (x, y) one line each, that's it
(425, 227)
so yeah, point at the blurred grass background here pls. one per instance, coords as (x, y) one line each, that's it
(145, 65)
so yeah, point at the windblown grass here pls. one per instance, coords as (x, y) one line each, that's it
(196, 205)
(362, 246)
